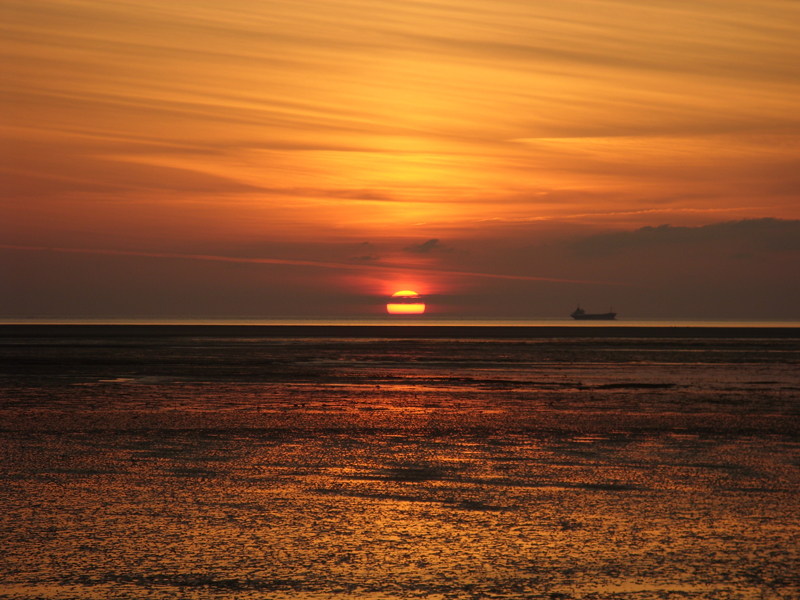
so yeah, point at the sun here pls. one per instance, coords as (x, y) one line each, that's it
(406, 302)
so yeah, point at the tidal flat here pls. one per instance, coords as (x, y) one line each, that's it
(196, 464)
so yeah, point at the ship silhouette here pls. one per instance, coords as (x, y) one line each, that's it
(582, 315)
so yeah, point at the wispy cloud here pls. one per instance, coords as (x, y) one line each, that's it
(296, 263)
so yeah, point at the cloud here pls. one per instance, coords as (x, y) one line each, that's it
(433, 245)
(365, 258)
(284, 261)
(766, 234)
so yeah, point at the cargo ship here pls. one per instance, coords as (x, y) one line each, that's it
(582, 315)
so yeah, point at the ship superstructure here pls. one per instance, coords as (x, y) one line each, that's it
(582, 315)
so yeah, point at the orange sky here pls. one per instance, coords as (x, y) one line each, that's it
(299, 130)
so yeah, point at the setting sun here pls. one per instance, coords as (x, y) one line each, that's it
(406, 302)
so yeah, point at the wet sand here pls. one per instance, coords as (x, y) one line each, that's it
(284, 464)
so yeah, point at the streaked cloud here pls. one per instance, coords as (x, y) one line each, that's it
(293, 263)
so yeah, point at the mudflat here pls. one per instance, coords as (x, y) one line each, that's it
(350, 463)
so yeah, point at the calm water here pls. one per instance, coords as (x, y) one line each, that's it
(193, 463)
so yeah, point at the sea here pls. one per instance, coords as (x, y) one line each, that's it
(391, 460)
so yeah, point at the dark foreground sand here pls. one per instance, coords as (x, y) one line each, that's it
(198, 464)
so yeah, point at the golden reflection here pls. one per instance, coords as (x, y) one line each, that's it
(390, 468)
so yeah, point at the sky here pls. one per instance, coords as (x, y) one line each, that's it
(308, 158)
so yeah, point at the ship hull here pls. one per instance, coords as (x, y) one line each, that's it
(601, 317)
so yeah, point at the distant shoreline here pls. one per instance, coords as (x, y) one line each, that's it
(399, 331)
